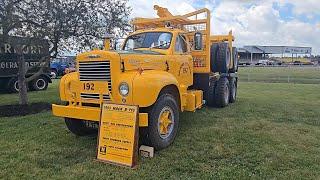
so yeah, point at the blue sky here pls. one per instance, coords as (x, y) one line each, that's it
(286, 12)
(254, 22)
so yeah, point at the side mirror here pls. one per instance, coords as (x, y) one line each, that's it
(197, 41)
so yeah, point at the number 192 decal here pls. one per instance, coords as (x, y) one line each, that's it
(88, 86)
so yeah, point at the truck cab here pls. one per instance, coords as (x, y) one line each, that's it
(162, 68)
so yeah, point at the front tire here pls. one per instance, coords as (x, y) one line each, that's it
(39, 84)
(80, 127)
(163, 122)
(13, 86)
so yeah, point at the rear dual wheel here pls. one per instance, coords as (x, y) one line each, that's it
(38, 84)
(233, 84)
(222, 92)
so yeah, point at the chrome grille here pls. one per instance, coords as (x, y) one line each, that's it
(106, 97)
(95, 71)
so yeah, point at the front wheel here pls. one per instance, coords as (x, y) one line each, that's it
(39, 84)
(163, 122)
(13, 85)
(81, 127)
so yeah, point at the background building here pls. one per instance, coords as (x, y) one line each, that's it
(253, 54)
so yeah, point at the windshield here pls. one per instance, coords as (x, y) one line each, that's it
(159, 40)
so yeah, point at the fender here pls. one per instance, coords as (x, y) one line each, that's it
(65, 85)
(47, 77)
(148, 84)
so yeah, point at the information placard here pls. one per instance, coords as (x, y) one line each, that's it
(118, 135)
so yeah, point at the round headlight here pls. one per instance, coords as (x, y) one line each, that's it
(124, 89)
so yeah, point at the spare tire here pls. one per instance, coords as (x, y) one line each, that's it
(213, 57)
(235, 60)
(220, 57)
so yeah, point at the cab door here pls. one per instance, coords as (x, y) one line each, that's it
(182, 61)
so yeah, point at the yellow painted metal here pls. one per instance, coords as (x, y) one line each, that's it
(143, 119)
(147, 71)
(199, 98)
(88, 113)
(165, 122)
(194, 100)
(77, 112)
(107, 42)
(198, 21)
(155, 79)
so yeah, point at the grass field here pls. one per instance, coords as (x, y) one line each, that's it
(273, 131)
(294, 74)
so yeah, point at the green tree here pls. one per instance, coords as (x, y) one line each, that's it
(68, 25)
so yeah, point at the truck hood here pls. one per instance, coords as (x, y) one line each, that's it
(142, 59)
(138, 52)
(129, 60)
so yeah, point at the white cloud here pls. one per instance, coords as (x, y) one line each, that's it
(252, 21)
(303, 6)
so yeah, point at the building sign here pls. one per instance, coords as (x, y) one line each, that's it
(298, 50)
(33, 50)
(118, 135)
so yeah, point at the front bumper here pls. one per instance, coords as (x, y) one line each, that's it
(88, 113)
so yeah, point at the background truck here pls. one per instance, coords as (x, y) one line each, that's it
(34, 50)
(168, 65)
(59, 66)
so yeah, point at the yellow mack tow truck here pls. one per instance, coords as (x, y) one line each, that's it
(168, 65)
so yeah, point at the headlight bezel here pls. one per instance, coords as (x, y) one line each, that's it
(126, 86)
